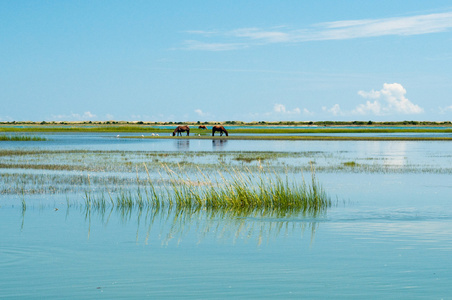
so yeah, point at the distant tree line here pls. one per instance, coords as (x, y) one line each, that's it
(293, 123)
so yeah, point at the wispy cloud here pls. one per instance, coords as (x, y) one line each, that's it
(447, 109)
(338, 30)
(197, 45)
(413, 25)
(6, 119)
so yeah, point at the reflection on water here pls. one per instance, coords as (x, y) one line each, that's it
(392, 153)
(183, 145)
(396, 153)
(219, 144)
(174, 223)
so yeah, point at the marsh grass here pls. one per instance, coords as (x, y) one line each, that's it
(350, 164)
(303, 138)
(337, 130)
(21, 138)
(250, 130)
(229, 188)
(64, 171)
(251, 158)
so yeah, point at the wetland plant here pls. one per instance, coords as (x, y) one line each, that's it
(350, 164)
(21, 138)
(225, 189)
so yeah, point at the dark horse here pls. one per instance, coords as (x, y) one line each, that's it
(180, 129)
(219, 128)
(202, 127)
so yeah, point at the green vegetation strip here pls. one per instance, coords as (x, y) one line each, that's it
(229, 189)
(232, 129)
(21, 138)
(337, 130)
(297, 138)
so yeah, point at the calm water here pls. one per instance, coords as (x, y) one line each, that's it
(389, 235)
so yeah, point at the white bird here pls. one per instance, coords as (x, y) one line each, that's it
(152, 134)
(157, 134)
(142, 135)
(117, 136)
(199, 134)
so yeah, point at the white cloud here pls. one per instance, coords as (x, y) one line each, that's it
(257, 34)
(197, 45)
(338, 30)
(443, 110)
(281, 109)
(368, 107)
(394, 101)
(306, 112)
(413, 25)
(201, 113)
(279, 112)
(370, 95)
(86, 116)
(140, 117)
(335, 110)
(6, 119)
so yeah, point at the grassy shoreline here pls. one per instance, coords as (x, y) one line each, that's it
(233, 129)
(297, 138)
(366, 133)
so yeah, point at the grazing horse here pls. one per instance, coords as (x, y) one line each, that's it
(180, 129)
(219, 128)
(202, 127)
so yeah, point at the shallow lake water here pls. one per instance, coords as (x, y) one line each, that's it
(387, 235)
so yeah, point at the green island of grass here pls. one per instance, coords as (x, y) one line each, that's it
(21, 138)
(249, 131)
(297, 138)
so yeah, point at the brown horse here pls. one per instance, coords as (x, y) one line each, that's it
(202, 127)
(180, 129)
(219, 128)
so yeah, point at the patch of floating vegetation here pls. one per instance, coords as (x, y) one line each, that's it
(54, 183)
(125, 161)
(62, 171)
(22, 138)
(351, 164)
(250, 158)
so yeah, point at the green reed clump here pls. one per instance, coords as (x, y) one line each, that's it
(21, 138)
(351, 164)
(226, 189)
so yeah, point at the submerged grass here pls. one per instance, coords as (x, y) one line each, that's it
(227, 189)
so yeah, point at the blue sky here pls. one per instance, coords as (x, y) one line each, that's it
(225, 60)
